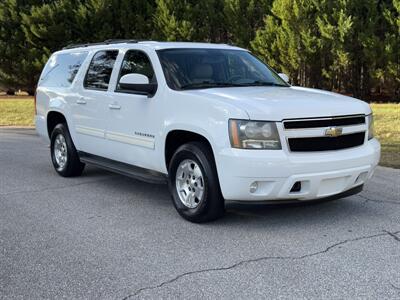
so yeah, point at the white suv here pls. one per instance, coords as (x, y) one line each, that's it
(212, 120)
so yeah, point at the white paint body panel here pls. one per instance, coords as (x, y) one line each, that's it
(135, 133)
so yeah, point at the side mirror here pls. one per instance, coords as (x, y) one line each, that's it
(137, 83)
(284, 77)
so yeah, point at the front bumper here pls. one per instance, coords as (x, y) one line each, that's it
(321, 174)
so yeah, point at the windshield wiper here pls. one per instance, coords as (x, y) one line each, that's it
(262, 83)
(208, 85)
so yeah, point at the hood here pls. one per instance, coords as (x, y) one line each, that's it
(279, 103)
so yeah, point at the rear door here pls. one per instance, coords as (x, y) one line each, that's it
(90, 108)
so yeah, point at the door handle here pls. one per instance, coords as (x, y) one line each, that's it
(114, 106)
(81, 101)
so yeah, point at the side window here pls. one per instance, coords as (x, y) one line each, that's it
(136, 61)
(100, 69)
(61, 69)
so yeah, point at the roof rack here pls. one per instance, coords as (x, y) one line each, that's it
(106, 42)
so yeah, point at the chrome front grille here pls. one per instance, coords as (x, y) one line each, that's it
(324, 122)
(325, 134)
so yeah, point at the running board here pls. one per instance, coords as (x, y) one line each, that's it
(142, 174)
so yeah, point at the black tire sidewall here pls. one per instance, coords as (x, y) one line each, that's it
(72, 165)
(211, 207)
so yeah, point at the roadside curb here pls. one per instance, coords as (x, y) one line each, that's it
(16, 127)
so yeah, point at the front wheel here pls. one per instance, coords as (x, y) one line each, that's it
(193, 183)
(63, 153)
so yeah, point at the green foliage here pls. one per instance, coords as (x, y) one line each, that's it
(48, 28)
(350, 46)
(391, 71)
(190, 20)
(16, 69)
(99, 20)
(242, 17)
(31, 30)
(289, 38)
(335, 26)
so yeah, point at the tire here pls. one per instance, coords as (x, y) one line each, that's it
(63, 153)
(206, 203)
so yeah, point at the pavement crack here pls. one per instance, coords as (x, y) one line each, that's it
(395, 287)
(263, 258)
(393, 235)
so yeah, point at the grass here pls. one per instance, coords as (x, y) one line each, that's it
(18, 111)
(387, 131)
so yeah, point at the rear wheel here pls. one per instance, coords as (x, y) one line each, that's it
(194, 185)
(63, 153)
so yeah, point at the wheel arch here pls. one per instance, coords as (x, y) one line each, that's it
(178, 137)
(53, 118)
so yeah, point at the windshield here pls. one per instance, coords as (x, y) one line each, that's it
(186, 69)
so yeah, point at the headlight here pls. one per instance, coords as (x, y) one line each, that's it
(254, 135)
(370, 120)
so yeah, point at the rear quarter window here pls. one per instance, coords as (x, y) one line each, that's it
(61, 69)
(100, 69)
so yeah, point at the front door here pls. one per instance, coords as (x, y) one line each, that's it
(134, 117)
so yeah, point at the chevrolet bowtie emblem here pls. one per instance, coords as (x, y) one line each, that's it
(333, 131)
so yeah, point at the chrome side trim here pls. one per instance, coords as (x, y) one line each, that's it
(145, 142)
(90, 131)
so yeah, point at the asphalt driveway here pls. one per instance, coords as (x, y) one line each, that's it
(106, 236)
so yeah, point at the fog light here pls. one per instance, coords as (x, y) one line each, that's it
(253, 187)
(296, 187)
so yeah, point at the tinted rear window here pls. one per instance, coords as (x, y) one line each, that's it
(100, 69)
(61, 69)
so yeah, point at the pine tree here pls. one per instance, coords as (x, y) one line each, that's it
(243, 18)
(190, 20)
(335, 26)
(51, 26)
(351, 46)
(391, 70)
(289, 40)
(100, 20)
(13, 47)
(47, 28)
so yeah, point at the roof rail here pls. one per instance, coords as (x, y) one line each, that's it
(106, 42)
(119, 41)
